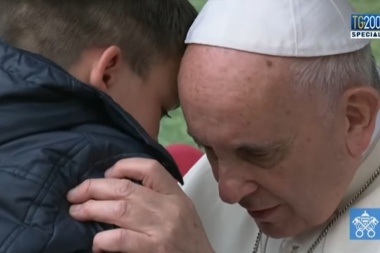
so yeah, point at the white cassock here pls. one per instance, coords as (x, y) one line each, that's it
(231, 230)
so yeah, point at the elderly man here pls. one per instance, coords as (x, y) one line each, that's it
(286, 106)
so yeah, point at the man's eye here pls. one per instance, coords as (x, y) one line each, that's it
(264, 160)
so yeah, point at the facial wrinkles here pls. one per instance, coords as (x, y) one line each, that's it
(228, 106)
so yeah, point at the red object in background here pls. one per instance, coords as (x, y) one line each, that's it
(185, 156)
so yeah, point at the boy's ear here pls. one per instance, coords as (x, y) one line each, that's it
(104, 71)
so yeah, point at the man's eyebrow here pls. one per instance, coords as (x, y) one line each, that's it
(254, 149)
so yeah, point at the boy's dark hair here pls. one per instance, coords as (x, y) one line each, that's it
(62, 29)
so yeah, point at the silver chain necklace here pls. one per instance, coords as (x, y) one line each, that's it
(333, 221)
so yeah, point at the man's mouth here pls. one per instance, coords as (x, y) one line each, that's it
(263, 214)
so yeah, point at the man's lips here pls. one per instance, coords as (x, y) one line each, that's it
(263, 214)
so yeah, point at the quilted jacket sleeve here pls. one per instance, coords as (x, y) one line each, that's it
(35, 175)
(34, 215)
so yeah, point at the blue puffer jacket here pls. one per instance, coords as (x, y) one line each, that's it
(55, 132)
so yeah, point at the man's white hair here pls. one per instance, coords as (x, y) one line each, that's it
(326, 78)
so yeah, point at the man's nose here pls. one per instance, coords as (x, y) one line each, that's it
(232, 187)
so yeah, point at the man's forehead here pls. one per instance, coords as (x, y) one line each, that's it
(231, 72)
(225, 97)
(213, 53)
(238, 125)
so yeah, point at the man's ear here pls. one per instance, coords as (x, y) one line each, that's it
(104, 71)
(362, 106)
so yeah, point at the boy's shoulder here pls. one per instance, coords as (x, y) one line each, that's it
(38, 171)
(75, 153)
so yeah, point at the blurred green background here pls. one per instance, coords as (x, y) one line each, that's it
(173, 130)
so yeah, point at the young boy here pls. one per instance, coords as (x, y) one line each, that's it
(83, 84)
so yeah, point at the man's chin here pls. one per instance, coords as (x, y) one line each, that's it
(278, 231)
(275, 231)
